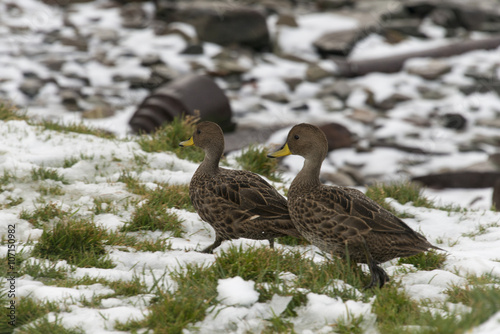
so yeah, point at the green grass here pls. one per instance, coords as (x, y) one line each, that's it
(43, 173)
(425, 261)
(154, 215)
(44, 326)
(9, 113)
(54, 190)
(133, 184)
(27, 311)
(168, 137)
(255, 159)
(43, 214)
(6, 179)
(77, 241)
(173, 311)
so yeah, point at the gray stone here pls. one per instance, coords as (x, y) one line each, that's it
(151, 60)
(339, 43)
(454, 121)
(101, 111)
(390, 102)
(193, 49)
(69, 99)
(407, 26)
(133, 16)
(315, 73)
(107, 35)
(431, 70)
(334, 4)
(292, 82)
(31, 86)
(339, 179)
(338, 136)
(221, 23)
(364, 116)
(286, 20)
(429, 93)
(340, 88)
(276, 97)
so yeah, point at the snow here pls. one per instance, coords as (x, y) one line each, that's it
(236, 291)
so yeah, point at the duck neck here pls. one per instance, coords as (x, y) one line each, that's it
(210, 164)
(308, 178)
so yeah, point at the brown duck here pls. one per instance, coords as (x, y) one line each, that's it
(341, 220)
(236, 203)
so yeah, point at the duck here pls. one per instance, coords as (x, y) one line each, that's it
(343, 221)
(236, 203)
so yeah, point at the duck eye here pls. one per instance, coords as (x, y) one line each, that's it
(296, 136)
(198, 131)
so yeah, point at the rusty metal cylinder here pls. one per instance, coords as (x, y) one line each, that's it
(183, 96)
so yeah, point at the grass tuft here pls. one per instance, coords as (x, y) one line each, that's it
(27, 311)
(425, 261)
(45, 173)
(79, 242)
(255, 159)
(168, 137)
(43, 214)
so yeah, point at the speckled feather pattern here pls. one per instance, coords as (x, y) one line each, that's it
(240, 204)
(335, 217)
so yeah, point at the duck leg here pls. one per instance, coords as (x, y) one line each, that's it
(217, 243)
(271, 243)
(378, 275)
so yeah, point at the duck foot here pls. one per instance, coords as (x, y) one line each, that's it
(271, 243)
(378, 276)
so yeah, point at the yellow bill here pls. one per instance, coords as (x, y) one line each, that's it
(188, 142)
(280, 153)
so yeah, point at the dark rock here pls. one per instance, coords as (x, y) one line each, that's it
(459, 179)
(444, 17)
(300, 106)
(133, 16)
(338, 43)
(454, 121)
(276, 97)
(338, 136)
(221, 23)
(193, 49)
(69, 99)
(405, 26)
(292, 82)
(151, 60)
(31, 86)
(54, 63)
(78, 42)
(183, 96)
(286, 20)
(389, 102)
(334, 4)
(495, 201)
(315, 73)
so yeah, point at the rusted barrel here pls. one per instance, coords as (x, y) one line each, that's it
(182, 97)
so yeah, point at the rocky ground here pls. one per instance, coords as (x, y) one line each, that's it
(395, 102)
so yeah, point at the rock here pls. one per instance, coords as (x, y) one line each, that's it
(133, 16)
(107, 35)
(69, 99)
(430, 93)
(407, 26)
(292, 82)
(454, 121)
(221, 23)
(151, 60)
(334, 4)
(193, 49)
(332, 103)
(459, 179)
(338, 43)
(444, 17)
(54, 63)
(102, 111)
(286, 20)
(315, 73)
(495, 160)
(431, 70)
(31, 86)
(339, 179)
(338, 136)
(276, 97)
(363, 116)
(340, 88)
(78, 42)
(488, 122)
(390, 102)
(495, 201)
